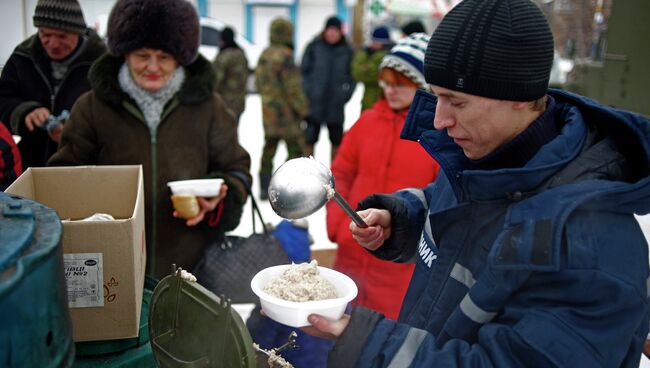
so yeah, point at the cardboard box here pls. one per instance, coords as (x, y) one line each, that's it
(105, 254)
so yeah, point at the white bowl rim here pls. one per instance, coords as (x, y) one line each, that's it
(312, 304)
(194, 181)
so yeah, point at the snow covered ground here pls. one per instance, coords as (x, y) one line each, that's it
(251, 136)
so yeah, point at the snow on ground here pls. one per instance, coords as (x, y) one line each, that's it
(251, 136)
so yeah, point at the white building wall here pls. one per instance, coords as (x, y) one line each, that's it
(229, 12)
(12, 27)
(16, 20)
(312, 15)
(310, 19)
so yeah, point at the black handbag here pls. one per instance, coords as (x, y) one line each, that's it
(228, 266)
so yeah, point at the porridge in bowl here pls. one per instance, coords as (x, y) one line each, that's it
(301, 283)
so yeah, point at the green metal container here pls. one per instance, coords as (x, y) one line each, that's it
(191, 327)
(35, 327)
(621, 79)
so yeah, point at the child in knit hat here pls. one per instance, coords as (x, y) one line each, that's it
(403, 67)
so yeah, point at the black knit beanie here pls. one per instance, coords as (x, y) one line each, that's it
(500, 49)
(333, 21)
(59, 14)
(168, 25)
(414, 26)
(228, 35)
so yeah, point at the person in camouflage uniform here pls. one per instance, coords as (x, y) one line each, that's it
(284, 103)
(365, 65)
(231, 68)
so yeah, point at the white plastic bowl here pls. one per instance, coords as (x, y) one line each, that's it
(196, 187)
(295, 314)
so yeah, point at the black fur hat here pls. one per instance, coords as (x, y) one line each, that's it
(168, 25)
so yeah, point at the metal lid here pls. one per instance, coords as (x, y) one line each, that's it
(29, 232)
(190, 326)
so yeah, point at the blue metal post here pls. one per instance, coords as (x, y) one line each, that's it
(293, 14)
(248, 33)
(342, 12)
(203, 8)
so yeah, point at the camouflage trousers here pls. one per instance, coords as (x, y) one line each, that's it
(295, 142)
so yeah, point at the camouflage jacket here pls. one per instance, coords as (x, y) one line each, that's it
(231, 68)
(278, 81)
(365, 69)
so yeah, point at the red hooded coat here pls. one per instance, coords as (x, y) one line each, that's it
(373, 159)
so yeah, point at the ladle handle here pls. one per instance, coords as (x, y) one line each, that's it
(349, 211)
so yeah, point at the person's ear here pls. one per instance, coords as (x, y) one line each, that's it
(520, 105)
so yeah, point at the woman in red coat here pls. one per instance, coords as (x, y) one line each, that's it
(373, 159)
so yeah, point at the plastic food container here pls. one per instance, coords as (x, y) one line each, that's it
(295, 314)
(196, 187)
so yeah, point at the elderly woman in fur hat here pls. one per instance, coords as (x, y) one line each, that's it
(152, 103)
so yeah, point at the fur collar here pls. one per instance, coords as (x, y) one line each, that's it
(198, 85)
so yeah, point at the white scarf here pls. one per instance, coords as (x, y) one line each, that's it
(151, 103)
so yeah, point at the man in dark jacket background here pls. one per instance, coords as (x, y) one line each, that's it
(328, 83)
(45, 75)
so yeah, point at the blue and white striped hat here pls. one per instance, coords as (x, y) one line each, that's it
(407, 58)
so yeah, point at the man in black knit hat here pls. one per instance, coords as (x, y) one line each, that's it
(45, 75)
(526, 247)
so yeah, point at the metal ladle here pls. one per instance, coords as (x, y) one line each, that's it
(301, 186)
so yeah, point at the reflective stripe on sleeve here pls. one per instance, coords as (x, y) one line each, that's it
(409, 348)
(473, 312)
(419, 194)
(463, 275)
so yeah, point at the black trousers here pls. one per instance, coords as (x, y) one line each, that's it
(312, 131)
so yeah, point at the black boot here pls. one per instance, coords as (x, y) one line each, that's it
(265, 179)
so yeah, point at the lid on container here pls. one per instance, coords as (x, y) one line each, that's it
(190, 326)
(26, 227)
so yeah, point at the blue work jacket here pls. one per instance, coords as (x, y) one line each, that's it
(538, 266)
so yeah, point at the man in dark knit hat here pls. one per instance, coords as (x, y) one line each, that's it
(526, 249)
(45, 75)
